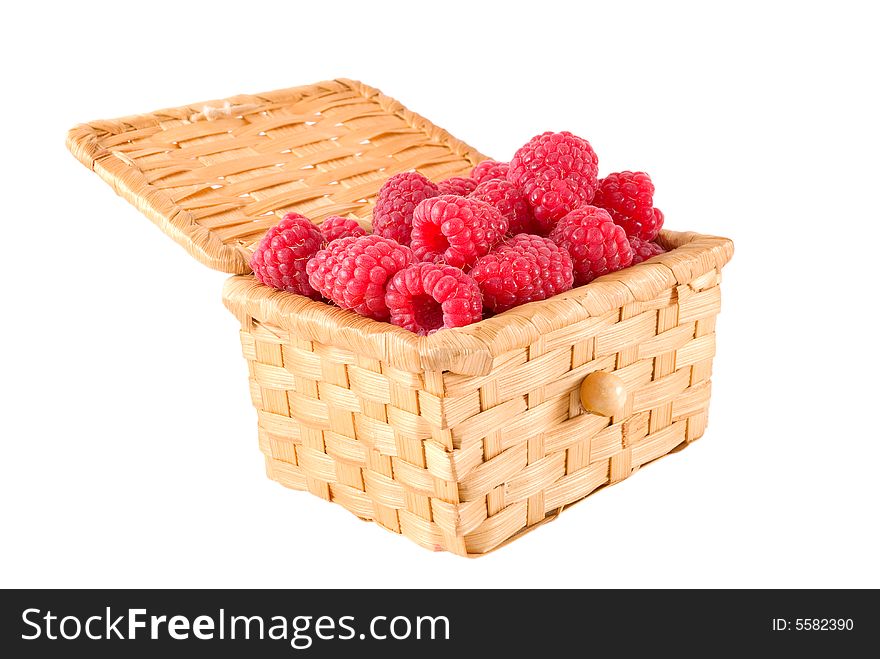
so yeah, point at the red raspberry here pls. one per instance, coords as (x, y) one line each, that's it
(597, 246)
(522, 269)
(658, 220)
(426, 297)
(510, 202)
(629, 198)
(280, 259)
(537, 245)
(352, 272)
(557, 172)
(398, 197)
(457, 185)
(643, 250)
(488, 170)
(455, 230)
(340, 227)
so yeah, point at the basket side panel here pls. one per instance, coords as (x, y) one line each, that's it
(541, 451)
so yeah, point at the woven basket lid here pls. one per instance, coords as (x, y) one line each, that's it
(216, 175)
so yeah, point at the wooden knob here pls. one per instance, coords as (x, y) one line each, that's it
(603, 393)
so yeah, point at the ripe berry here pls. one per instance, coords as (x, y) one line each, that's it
(353, 272)
(426, 297)
(455, 230)
(398, 197)
(644, 250)
(280, 259)
(340, 227)
(510, 202)
(629, 198)
(457, 185)
(595, 243)
(488, 170)
(522, 269)
(557, 172)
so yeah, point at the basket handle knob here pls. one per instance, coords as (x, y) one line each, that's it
(603, 393)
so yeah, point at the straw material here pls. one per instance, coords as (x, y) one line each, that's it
(467, 438)
(216, 175)
(462, 440)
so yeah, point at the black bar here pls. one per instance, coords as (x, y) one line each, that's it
(519, 622)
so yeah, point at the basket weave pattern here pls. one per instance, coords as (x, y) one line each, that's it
(464, 461)
(215, 176)
(461, 440)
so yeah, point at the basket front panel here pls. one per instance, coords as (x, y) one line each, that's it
(354, 430)
(465, 463)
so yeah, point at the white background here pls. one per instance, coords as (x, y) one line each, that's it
(129, 454)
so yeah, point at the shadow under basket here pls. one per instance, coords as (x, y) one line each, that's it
(460, 441)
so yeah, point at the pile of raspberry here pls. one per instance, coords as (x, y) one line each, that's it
(449, 253)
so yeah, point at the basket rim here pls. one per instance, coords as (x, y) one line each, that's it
(471, 350)
(129, 181)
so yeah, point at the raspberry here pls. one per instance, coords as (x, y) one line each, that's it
(340, 227)
(455, 230)
(629, 198)
(658, 220)
(353, 271)
(280, 259)
(538, 246)
(643, 250)
(488, 170)
(457, 185)
(510, 202)
(392, 215)
(426, 297)
(557, 172)
(597, 246)
(522, 269)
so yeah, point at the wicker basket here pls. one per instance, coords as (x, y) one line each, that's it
(462, 440)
